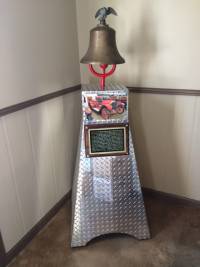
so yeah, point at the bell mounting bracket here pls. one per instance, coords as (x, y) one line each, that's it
(102, 75)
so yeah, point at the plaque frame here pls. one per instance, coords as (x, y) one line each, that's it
(93, 127)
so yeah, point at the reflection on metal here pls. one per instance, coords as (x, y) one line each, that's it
(107, 195)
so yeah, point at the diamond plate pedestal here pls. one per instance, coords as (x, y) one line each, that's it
(107, 197)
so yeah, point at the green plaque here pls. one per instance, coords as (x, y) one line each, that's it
(106, 139)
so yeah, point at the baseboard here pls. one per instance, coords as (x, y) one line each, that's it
(2, 252)
(175, 199)
(11, 254)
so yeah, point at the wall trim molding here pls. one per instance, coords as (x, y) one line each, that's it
(175, 199)
(164, 91)
(13, 252)
(37, 100)
(140, 90)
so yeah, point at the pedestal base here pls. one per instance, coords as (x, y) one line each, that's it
(107, 197)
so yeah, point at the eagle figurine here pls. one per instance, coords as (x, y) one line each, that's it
(102, 14)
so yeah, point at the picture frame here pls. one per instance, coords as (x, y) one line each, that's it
(106, 139)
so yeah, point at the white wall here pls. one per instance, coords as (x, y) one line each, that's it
(39, 55)
(159, 40)
(37, 155)
(38, 48)
(166, 135)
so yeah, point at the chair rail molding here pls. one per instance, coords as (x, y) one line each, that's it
(164, 91)
(37, 100)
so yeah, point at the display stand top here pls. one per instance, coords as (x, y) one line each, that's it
(110, 87)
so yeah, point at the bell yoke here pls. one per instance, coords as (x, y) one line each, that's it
(102, 47)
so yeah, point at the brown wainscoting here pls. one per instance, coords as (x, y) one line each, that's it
(11, 254)
(37, 100)
(170, 197)
(2, 253)
(164, 91)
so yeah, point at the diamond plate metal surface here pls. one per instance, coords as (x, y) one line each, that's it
(107, 196)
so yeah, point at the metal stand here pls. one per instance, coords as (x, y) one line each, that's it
(107, 197)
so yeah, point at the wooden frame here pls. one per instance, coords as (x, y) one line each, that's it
(89, 128)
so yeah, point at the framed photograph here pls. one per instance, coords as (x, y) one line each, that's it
(105, 106)
(106, 139)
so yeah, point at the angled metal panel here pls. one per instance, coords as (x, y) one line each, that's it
(107, 197)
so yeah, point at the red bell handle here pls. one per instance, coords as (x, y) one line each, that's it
(103, 75)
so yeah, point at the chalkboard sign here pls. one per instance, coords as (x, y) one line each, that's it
(106, 139)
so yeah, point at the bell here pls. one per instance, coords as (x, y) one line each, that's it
(102, 47)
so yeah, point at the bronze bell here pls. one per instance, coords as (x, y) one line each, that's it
(102, 47)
